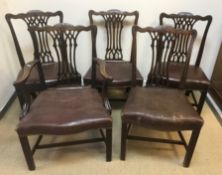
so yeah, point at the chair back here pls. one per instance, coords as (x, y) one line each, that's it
(114, 22)
(162, 49)
(64, 41)
(188, 21)
(34, 18)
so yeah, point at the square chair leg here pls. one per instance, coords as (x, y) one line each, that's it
(27, 152)
(191, 147)
(123, 142)
(108, 145)
(201, 100)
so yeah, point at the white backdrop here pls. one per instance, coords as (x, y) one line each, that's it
(76, 12)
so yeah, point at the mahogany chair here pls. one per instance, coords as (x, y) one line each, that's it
(35, 18)
(196, 78)
(68, 109)
(114, 23)
(158, 106)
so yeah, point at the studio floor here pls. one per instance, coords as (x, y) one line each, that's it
(142, 157)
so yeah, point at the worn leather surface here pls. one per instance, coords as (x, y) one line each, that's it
(160, 108)
(50, 71)
(196, 78)
(65, 111)
(121, 73)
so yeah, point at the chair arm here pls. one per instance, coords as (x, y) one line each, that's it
(25, 72)
(107, 78)
(102, 69)
(25, 110)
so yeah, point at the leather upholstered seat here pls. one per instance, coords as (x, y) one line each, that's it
(61, 111)
(50, 71)
(162, 109)
(121, 72)
(195, 76)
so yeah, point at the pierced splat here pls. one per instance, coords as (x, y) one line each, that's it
(36, 19)
(162, 41)
(184, 21)
(162, 44)
(181, 48)
(114, 24)
(64, 43)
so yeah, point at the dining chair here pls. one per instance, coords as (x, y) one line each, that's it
(114, 25)
(196, 78)
(68, 108)
(161, 105)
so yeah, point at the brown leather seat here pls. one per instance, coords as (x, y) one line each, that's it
(50, 71)
(65, 111)
(195, 76)
(161, 109)
(121, 72)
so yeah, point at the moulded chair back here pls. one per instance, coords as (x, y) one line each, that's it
(33, 18)
(163, 50)
(64, 45)
(188, 21)
(114, 22)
